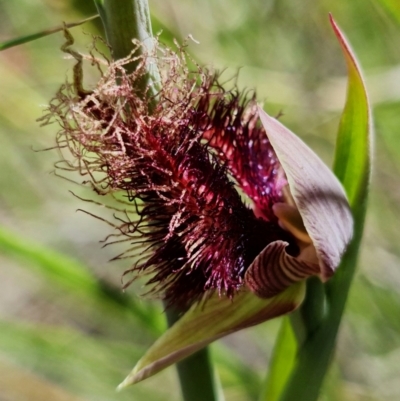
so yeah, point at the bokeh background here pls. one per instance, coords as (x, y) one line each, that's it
(67, 332)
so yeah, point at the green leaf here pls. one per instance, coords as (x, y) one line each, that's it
(293, 332)
(58, 268)
(353, 167)
(205, 323)
(352, 163)
(281, 364)
(30, 38)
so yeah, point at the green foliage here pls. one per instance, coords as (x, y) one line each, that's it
(392, 7)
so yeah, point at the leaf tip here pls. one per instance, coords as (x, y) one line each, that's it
(336, 29)
(122, 386)
(129, 380)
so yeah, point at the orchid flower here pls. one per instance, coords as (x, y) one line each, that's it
(227, 210)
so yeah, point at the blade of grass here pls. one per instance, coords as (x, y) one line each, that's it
(73, 277)
(282, 362)
(30, 38)
(86, 365)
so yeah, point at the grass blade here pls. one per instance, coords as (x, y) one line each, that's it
(30, 38)
(73, 277)
(282, 362)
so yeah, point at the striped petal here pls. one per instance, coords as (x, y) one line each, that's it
(273, 270)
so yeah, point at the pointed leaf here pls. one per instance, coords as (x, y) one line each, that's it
(203, 324)
(318, 194)
(30, 38)
(353, 146)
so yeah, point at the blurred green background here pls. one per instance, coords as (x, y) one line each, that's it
(67, 332)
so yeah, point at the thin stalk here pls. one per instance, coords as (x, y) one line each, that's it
(30, 38)
(125, 21)
(281, 363)
(311, 313)
(294, 332)
(195, 373)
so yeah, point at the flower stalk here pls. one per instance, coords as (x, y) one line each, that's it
(125, 21)
(196, 374)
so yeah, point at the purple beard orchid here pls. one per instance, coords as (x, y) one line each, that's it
(223, 203)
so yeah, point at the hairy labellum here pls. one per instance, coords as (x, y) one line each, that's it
(198, 170)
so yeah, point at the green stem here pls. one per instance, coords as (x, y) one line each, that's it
(195, 373)
(281, 363)
(125, 21)
(313, 310)
(294, 332)
(314, 357)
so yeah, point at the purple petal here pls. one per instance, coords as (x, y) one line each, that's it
(317, 193)
(283, 270)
